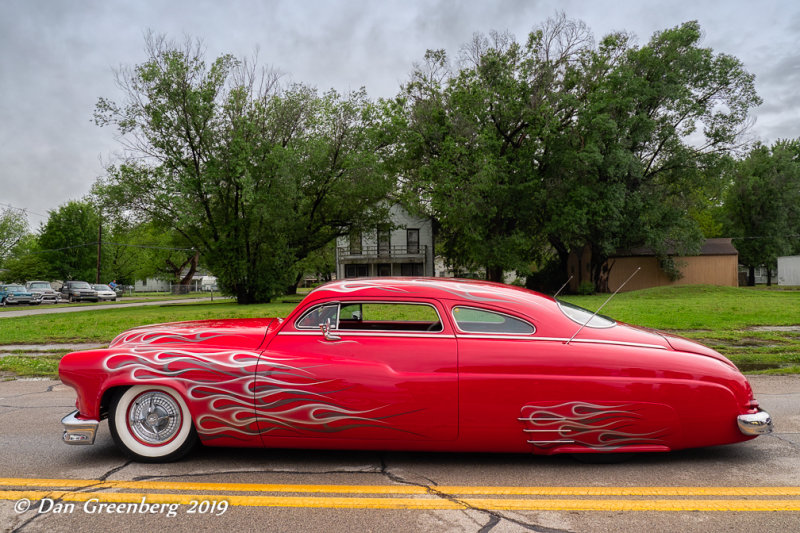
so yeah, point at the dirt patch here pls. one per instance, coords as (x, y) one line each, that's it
(774, 328)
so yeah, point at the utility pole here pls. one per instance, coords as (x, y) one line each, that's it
(99, 249)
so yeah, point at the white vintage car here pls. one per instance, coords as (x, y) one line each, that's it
(104, 292)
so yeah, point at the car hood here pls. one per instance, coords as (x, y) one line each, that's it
(243, 333)
(18, 293)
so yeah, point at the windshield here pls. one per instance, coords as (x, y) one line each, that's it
(80, 285)
(581, 316)
(40, 285)
(15, 288)
(101, 287)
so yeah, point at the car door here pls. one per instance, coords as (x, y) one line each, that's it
(382, 371)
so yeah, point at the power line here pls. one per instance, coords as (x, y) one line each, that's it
(23, 209)
(104, 243)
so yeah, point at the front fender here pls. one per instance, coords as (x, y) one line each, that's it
(216, 384)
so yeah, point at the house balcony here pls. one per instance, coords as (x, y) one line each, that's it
(382, 254)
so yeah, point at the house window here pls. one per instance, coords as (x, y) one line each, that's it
(356, 271)
(355, 243)
(412, 241)
(384, 269)
(384, 240)
(411, 269)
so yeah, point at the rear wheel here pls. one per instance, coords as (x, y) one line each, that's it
(151, 424)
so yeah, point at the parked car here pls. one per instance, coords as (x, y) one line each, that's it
(410, 364)
(78, 291)
(13, 293)
(42, 292)
(104, 292)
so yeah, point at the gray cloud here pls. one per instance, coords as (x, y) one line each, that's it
(56, 59)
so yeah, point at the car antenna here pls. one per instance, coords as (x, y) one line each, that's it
(562, 287)
(604, 304)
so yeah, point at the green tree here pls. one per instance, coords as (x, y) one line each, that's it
(762, 205)
(68, 241)
(558, 141)
(253, 175)
(13, 229)
(137, 251)
(26, 262)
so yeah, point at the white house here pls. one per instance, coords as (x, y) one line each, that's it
(402, 248)
(789, 270)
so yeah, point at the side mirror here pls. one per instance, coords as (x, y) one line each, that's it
(326, 331)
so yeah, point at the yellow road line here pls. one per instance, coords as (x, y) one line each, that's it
(498, 504)
(402, 489)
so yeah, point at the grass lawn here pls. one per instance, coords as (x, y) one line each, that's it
(747, 325)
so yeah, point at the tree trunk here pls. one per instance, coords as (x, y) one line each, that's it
(600, 270)
(292, 289)
(193, 262)
(769, 277)
(563, 265)
(494, 273)
(244, 296)
(751, 276)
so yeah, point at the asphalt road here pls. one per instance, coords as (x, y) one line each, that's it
(753, 486)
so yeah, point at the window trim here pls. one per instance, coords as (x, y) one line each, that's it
(309, 310)
(351, 240)
(417, 248)
(339, 304)
(487, 310)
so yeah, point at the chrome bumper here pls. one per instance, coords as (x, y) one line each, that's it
(758, 423)
(77, 431)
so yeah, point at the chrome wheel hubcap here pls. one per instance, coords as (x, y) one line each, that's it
(154, 417)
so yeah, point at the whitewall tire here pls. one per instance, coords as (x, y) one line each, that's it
(151, 423)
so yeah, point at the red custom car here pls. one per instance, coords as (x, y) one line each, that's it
(410, 364)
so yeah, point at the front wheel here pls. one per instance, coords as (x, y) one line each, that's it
(151, 424)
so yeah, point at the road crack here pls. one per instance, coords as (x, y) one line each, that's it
(494, 516)
(94, 486)
(786, 441)
(371, 470)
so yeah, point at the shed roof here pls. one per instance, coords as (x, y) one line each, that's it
(719, 246)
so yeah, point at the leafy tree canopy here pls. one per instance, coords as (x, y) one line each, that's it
(557, 140)
(68, 241)
(253, 174)
(13, 229)
(762, 205)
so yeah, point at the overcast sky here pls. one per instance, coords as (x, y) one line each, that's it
(57, 58)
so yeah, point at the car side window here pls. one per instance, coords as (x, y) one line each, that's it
(318, 315)
(373, 316)
(472, 320)
(389, 316)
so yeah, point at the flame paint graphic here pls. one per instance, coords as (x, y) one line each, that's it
(154, 335)
(481, 293)
(242, 394)
(600, 427)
